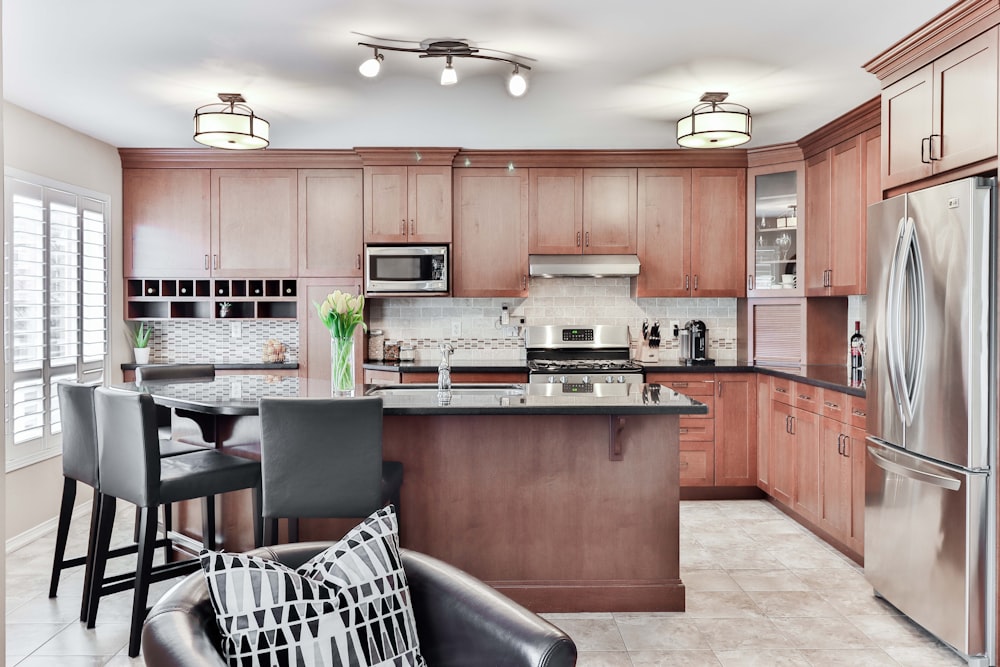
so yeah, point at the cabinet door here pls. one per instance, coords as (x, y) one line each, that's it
(782, 453)
(858, 455)
(763, 432)
(836, 485)
(314, 352)
(609, 211)
(428, 204)
(491, 233)
(735, 430)
(965, 106)
(718, 241)
(254, 222)
(331, 222)
(848, 218)
(556, 211)
(906, 123)
(386, 203)
(808, 464)
(818, 199)
(775, 221)
(664, 230)
(167, 223)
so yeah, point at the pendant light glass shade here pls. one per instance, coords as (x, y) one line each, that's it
(449, 76)
(517, 85)
(230, 125)
(714, 125)
(371, 67)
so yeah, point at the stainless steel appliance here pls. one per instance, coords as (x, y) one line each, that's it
(930, 514)
(580, 358)
(694, 343)
(406, 268)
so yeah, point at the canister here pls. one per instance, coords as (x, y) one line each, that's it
(391, 350)
(376, 341)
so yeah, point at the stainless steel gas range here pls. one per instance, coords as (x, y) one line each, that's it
(580, 358)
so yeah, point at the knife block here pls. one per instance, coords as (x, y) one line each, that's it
(647, 353)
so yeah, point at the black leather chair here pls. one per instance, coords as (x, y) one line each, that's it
(322, 457)
(79, 462)
(461, 622)
(155, 372)
(131, 469)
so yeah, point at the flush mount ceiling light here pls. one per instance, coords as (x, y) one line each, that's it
(449, 49)
(714, 124)
(230, 124)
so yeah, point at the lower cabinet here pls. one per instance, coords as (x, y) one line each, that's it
(719, 448)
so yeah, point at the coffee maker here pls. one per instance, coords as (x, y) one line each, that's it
(694, 344)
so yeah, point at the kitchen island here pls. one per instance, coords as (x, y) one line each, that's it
(564, 501)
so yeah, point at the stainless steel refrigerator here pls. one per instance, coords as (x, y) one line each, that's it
(930, 515)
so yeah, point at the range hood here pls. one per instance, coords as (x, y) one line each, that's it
(552, 266)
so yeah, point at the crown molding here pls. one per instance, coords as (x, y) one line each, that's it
(406, 156)
(569, 158)
(209, 158)
(851, 124)
(776, 154)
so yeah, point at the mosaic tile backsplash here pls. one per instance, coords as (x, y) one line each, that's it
(201, 341)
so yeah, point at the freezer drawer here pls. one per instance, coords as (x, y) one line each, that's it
(926, 543)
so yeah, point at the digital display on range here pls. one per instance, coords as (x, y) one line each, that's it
(578, 335)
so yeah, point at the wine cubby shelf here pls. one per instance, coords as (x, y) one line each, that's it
(252, 298)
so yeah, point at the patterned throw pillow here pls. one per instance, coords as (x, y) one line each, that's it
(348, 605)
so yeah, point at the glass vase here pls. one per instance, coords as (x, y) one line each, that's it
(342, 366)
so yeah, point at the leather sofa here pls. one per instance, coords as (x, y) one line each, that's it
(460, 620)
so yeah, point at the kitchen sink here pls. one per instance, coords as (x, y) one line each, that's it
(456, 390)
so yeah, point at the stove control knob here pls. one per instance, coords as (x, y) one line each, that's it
(550, 379)
(621, 379)
(585, 379)
(562, 379)
(609, 379)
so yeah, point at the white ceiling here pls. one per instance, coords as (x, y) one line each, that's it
(609, 74)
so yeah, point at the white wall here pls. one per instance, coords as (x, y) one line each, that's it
(39, 146)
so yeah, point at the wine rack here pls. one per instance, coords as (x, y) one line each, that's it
(253, 298)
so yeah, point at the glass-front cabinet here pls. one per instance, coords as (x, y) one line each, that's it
(775, 223)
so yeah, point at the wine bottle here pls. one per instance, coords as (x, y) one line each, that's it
(857, 356)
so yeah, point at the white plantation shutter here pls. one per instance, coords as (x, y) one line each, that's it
(55, 306)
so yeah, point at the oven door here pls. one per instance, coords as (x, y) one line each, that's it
(395, 269)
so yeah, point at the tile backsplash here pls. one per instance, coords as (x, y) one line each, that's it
(426, 322)
(199, 341)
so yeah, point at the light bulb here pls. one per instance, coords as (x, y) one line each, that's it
(449, 76)
(370, 68)
(517, 85)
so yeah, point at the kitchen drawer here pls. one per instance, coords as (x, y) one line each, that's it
(689, 384)
(709, 402)
(697, 430)
(781, 390)
(373, 376)
(806, 397)
(697, 463)
(835, 405)
(859, 412)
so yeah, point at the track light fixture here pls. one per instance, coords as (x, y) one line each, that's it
(449, 49)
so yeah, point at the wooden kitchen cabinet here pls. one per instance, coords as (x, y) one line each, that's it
(330, 222)
(783, 452)
(582, 211)
(736, 429)
(793, 331)
(836, 451)
(763, 432)
(407, 204)
(697, 432)
(775, 229)
(943, 115)
(254, 222)
(167, 223)
(491, 233)
(314, 337)
(807, 499)
(691, 232)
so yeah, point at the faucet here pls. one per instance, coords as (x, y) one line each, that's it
(444, 368)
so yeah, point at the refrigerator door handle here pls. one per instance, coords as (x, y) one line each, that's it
(916, 475)
(912, 372)
(893, 316)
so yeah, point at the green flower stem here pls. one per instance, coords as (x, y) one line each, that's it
(342, 363)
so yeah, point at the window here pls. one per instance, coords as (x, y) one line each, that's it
(55, 306)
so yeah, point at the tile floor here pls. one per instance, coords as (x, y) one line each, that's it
(761, 590)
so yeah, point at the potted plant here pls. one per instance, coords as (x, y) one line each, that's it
(140, 342)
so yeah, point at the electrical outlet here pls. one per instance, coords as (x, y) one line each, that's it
(504, 315)
(235, 330)
(456, 328)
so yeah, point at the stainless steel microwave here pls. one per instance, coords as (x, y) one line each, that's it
(406, 268)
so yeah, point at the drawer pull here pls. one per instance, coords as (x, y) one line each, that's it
(685, 465)
(679, 384)
(859, 413)
(805, 397)
(831, 405)
(683, 431)
(781, 390)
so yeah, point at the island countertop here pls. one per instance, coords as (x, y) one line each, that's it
(239, 395)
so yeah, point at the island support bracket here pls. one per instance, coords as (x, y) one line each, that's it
(616, 445)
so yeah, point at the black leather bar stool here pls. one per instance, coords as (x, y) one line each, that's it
(79, 462)
(155, 372)
(322, 458)
(131, 469)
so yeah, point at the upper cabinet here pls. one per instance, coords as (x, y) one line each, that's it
(254, 225)
(943, 115)
(407, 204)
(167, 223)
(491, 233)
(690, 232)
(188, 223)
(588, 211)
(775, 229)
(331, 220)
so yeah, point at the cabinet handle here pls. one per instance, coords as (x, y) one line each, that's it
(781, 390)
(682, 431)
(791, 420)
(578, 239)
(402, 227)
(413, 227)
(831, 405)
(840, 444)
(524, 282)
(749, 282)
(206, 262)
(859, 413)
(788, 423)
(679, 384)
(215, 261)
(805, 397)
(587, 241)
(847, 446)
(923, 144)
(930, 147)
(687, 282)
(720, 390)
(358, 263)
(696, 282)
